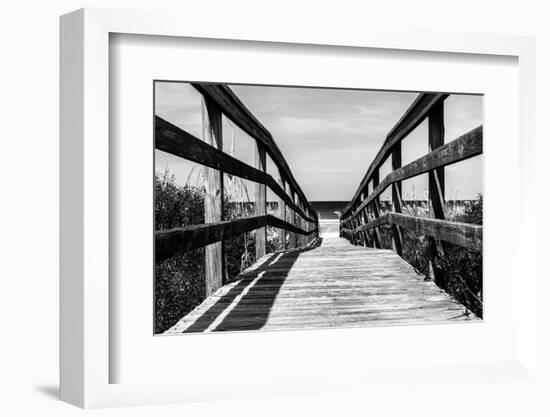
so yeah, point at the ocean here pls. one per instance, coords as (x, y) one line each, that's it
(329, 209)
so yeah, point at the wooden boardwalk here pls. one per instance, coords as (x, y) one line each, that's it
(330, 283)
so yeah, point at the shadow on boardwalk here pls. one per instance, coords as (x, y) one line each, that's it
(249, 303)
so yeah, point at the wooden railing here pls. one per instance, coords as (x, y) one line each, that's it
(354, 222)
(296, 215)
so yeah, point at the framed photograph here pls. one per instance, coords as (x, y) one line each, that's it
(291, 208)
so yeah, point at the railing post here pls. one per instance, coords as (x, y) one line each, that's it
(214, 271)
(311, 226)
(282, 215)
(364, 220)
(296, 220)
(305, 224)
(300, 224)
(292, 220)
(351, 226)
(317, 226)
(360, 240)
(357, 223)
(397, 235)
(303, 238)
(260, 204)
(376, 207)
(436, 133)
(306, 227)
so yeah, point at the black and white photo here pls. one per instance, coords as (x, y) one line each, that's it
(282, 208)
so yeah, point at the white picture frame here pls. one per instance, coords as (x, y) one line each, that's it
(85, 302)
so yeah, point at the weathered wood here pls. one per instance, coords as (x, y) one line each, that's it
(291, 219)
(260, 202)
(170, 242)
(295, 221)
(436, 180)
(307, 226)
(464, 147)
(466, 235)
(334, 284)
(299, 223)
(363, 219)
(282, 215)
(436, 133)
(376, 208)
(310, 237)
(415, 114)
(214, 272)
(304, 225)
(359, 237)
(171, 139)
(235, 110)
(352, 225)
(397, 237)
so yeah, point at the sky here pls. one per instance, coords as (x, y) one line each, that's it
(329, 137)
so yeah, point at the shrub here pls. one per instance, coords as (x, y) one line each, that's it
(179, 280)
(177, 206)
(462, 268)
(179, 288)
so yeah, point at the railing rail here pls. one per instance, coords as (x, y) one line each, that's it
(463, 234)
(298, 217)
(182, 239)
(361, 219)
